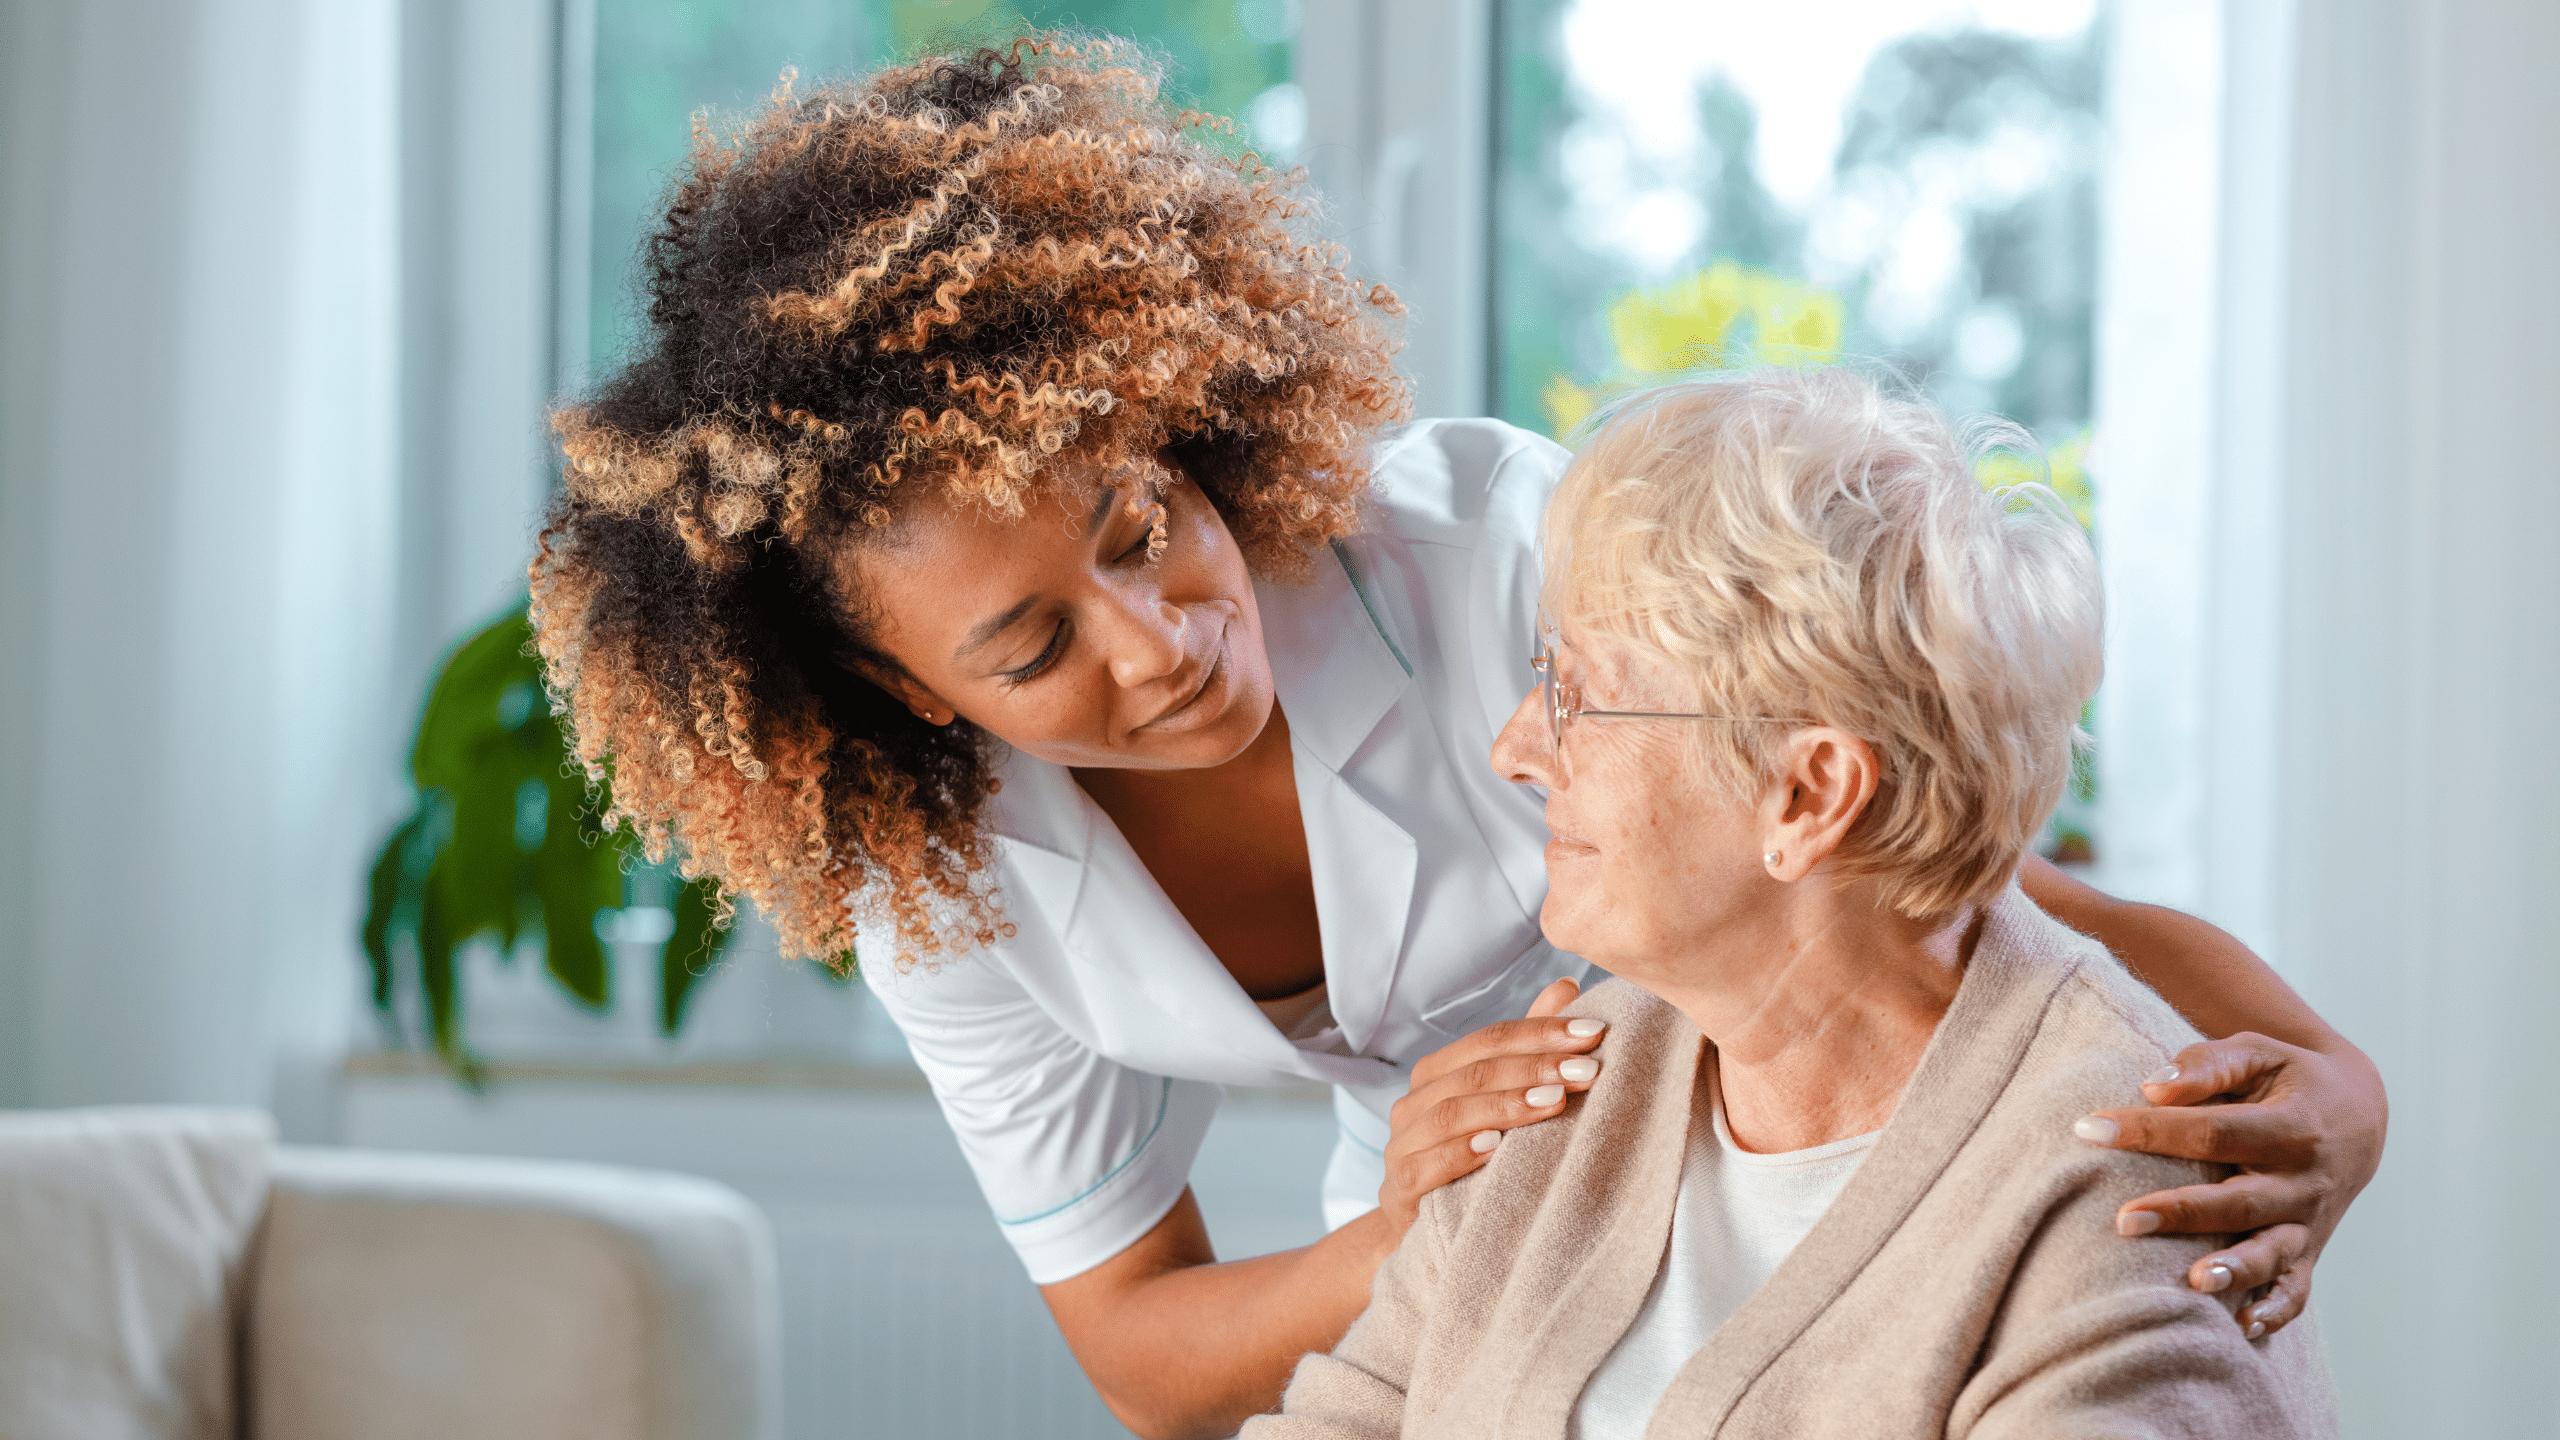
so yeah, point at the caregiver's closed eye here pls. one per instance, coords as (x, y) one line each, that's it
(2279, 1127)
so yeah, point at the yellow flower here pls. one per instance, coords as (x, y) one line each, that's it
(2070, 464)
(2064, 469)
(1696, 320)
(1567, 405)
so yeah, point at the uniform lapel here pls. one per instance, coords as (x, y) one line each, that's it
(1044, 833)
(1339, 679)
(1129, 944)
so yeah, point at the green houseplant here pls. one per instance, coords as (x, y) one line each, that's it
(504, 843)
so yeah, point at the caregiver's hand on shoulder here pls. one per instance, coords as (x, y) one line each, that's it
(1464, 1095)
(2304, 1128)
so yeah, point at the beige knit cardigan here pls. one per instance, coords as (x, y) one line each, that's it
(1968, 1282)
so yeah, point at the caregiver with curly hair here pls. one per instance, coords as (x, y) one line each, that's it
(1000, 561)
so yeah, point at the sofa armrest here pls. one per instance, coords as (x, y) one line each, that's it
(125, 1235)
(397, 1295)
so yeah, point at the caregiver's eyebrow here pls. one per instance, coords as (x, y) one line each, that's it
(995, 625)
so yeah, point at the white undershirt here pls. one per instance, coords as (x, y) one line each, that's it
(1738, 1216)
(1301, 1016)
(1304, 1017)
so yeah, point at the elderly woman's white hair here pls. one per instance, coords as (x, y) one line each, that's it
(1803, 545)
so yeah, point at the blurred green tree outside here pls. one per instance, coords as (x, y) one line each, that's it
(660, 62)
(1930, 115)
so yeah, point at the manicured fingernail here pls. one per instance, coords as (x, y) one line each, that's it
(1484, 1141)
(2257, 1329)
(2096, 1129)
(2138, 1222)
(1542, 1096)
(1580, 1067)
(2217, 1278)
(1583, 1027)
(2163, 1075)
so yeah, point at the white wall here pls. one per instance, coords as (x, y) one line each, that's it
(2335, 660)
(2329, 509)
(2417, 786)
(196, 412)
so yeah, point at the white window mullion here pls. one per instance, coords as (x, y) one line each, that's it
(1399, 140)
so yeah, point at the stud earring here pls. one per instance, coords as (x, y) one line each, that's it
(1771, 859)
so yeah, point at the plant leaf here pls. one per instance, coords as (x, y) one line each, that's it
(476, 858)
(692, 952)
(574, 878)
(436, 944)
(387, 895)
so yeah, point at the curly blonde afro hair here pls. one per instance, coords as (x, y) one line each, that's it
(937, 279)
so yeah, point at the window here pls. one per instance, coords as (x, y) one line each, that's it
(1916, 186)
(657, 62)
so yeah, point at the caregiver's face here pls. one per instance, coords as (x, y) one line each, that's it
(1647, 852)
(1058, 633)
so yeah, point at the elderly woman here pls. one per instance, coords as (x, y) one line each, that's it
(1809, 691)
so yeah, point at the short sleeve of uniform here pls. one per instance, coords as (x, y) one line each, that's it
(1079, 1156)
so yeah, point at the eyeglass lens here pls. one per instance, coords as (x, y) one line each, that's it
(1553, 698)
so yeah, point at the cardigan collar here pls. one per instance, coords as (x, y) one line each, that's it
(1994, 1017)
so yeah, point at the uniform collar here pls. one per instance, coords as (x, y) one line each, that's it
(1339, 676)
(1336, 671)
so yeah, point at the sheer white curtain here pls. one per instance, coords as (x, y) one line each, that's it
(265, 449)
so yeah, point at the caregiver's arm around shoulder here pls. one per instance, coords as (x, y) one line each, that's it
(2308, 1112)
(1178, 1344)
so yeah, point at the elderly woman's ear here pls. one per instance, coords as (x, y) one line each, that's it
(1825, 780)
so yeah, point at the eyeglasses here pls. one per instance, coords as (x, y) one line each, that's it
(1564, 703)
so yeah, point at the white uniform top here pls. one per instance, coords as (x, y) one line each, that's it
(1079, 1062)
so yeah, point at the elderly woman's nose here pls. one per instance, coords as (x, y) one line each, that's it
(1146, 638)
(1522, 753)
